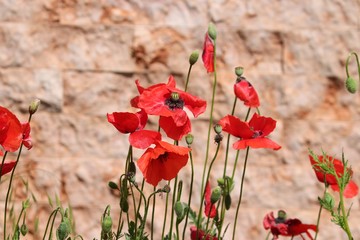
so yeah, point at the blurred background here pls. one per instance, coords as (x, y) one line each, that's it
(81, 59)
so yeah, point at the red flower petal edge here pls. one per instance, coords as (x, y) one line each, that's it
(208, 54)
(11, 132)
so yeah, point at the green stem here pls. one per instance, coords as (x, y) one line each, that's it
(153, 216)
(241, 191)
(203, 192)
(348, 61)
(268, 235)
(165, 213)
(48, 222)
(319, 215)
(188, 78)
(228, 141)
(346, 223)
(190, 193)
(210, 120)
(172, 208)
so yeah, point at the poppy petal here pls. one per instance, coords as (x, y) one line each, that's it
(264, 124)
(144, 138)
(210, 209)
(208, 54)
(196, 105)
(235, 127)
(172, 130)
(246, 93)
(10, 130)
(350, 191)
(124, 122)
(256, 143)
(7, 167)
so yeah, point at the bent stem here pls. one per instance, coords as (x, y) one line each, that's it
(241, 191)
(348, 61)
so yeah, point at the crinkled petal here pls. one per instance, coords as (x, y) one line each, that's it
(350, 191)
(172, 129)
(264, 124)
(256, 143)
(7, 167)
(124, 122)
(235, 127)
(144, 138)
(27, 140)
(196, 105)
(10, 130)
(246, 93)
(153, 101)
(208, 54)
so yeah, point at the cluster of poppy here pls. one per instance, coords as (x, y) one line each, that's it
(12, 135)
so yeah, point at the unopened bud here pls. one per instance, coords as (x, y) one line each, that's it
(212, 31)
(189, 139)
(180, 210)
(24, 229)
(63, 231)
(227, 201)
(166, 189)
(215, 195)
(239, 71)
(221, 181)
(194, 57)
(132, 168)
(124, 205)
(34, 105)
(351, 85)
(106, 225)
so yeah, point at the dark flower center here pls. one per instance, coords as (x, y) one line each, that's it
(257, 134)
(174, 101)
(163, 157)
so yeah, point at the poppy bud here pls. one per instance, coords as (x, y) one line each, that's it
(194, 57)
(24, 229)
(63, 231)
(227, 201)
(212, 31)
(34, 105)
(351, 85)
(106, 225)
(218, 128)
(221, 181)
(124, 205)
(113, 185)
(180, 210)
(189, 139)
(175, 96)
(215, 195)
(239, 71)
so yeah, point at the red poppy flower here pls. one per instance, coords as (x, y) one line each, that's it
(351, 189)
(201, 235)
(168, 102)
(281, 226)
(246, 92)
(208, 54)
(11, 132)
(164, 161)
(210, 209)
(134, 123)
(253, 134)
(27, 141)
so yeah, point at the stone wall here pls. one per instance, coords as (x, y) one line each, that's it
(81, 59)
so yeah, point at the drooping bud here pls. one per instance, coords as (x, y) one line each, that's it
(34, 105)
(215, 195)
(212, 31)
(124, 205)
(189, 139)
(218, 128)
(113, 185)
(132, 168)
(221, 181)
(166, 189)
(351, 85)
(24, 229)
(239, 71)
(194, 57)
(227, 201)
